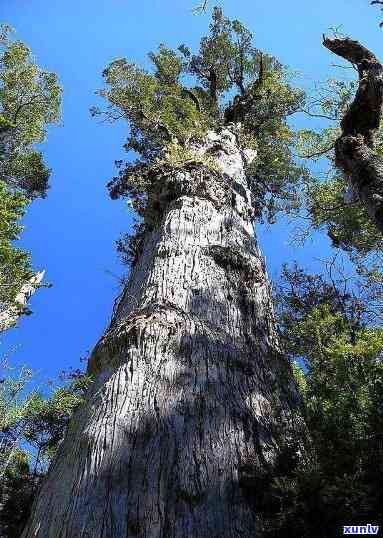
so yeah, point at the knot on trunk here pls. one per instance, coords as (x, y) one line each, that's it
(126, 333)
(236, 259)
(197, 181)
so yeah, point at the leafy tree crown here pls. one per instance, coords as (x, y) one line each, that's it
(184, 95)
(30, 99)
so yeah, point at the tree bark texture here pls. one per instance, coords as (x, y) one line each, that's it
(354, 149)
(10, 315)
(181, 427)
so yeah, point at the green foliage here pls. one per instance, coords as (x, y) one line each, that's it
(16, 494)
(33, 417)
(165, 115)
(326, 324)
(346, 221)
(226, 57)
(32, 423)
(48, 417)
(16, 479)
(274, 176)
(329, 102)
(14, 263)
(332, 205)
(26, 172)
(30, 99)
(155, 105)
(13, 405)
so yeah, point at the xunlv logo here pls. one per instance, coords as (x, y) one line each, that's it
(361, 529)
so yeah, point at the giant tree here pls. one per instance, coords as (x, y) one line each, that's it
(193, 408)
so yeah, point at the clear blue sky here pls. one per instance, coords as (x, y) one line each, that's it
(72, 233)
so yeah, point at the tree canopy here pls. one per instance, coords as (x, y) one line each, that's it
(30, 100)
(228, 81)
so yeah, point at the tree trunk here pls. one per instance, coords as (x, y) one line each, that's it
(181, 428)
(354, 150)
(10, 315)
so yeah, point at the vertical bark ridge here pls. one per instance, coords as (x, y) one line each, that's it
(181, 422)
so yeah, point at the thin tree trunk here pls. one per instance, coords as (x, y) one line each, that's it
(181, 427)
(10, 315)
(354, 149)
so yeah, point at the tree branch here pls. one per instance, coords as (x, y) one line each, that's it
(380, 3)
(22, 105)
(261, 70)
(213, 84)
(313, 115)
(243, 102)
(317, 153)
(354, 149)
(193, 97)
(240, 78)
(201, 8)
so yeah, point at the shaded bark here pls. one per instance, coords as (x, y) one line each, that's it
(354, 149)
(181, 429)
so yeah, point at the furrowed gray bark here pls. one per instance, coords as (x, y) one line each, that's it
(354, 149)
(182, 426)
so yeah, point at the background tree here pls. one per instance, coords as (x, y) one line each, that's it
(354, 147)
(193, 404)
(32, 424)
(333, 203)
(29, 101)
(15, 263)
(332, 331)
(332, 322)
